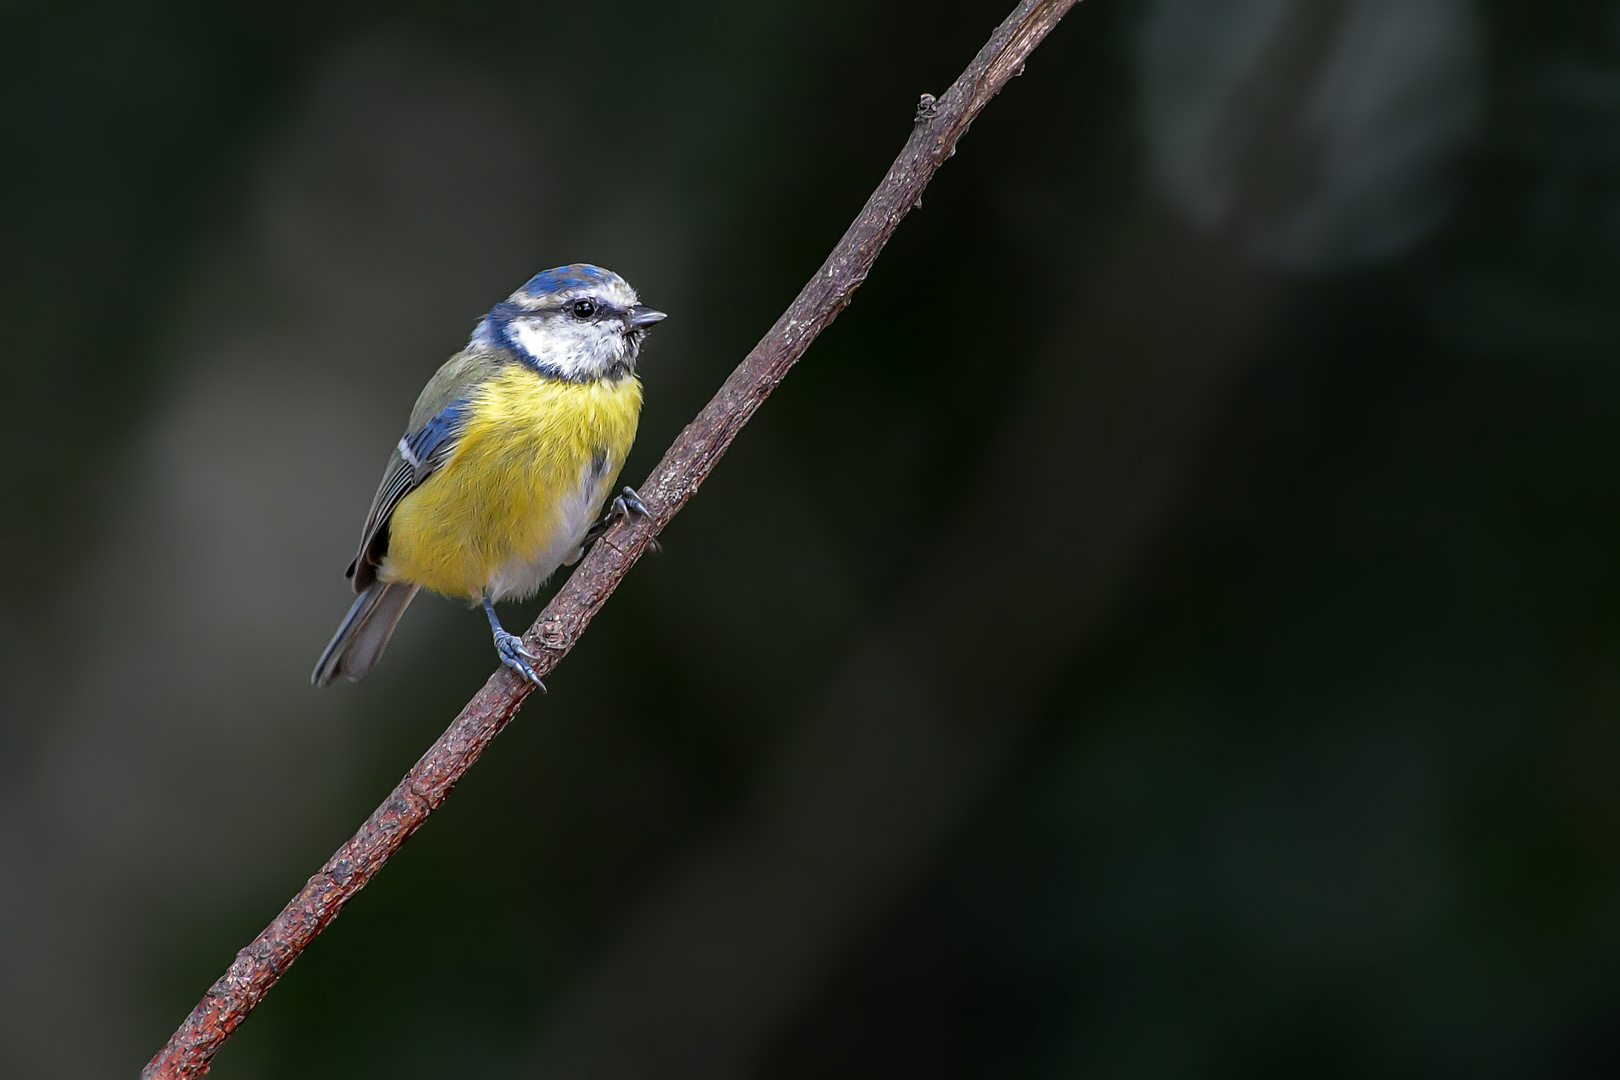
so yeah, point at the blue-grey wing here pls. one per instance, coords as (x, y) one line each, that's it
(417, 456)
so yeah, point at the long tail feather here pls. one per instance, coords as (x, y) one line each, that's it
(364, 632)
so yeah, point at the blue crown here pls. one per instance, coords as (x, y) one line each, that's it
(561, 278)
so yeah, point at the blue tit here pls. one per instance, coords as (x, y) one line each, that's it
(511, 449)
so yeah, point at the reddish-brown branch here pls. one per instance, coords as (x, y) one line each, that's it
(940, 123)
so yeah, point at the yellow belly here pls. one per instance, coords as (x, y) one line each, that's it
(536, 460)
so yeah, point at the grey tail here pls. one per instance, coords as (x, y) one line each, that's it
(364, 632)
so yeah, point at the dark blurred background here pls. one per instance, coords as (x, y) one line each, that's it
(1166, 628)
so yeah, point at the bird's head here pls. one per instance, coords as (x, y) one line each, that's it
(578, 323)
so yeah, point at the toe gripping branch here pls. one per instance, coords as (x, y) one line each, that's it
(510, 648)
(622, 506)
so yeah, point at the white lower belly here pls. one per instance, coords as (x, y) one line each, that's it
(574, 514)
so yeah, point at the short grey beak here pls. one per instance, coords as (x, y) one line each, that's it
(641, 315)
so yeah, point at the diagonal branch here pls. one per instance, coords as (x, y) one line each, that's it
(940, 123)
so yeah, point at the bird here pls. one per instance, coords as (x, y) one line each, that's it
(510, 450)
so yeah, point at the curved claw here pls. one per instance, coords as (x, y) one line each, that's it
(630, 503)
(621, 507)
(509, 647)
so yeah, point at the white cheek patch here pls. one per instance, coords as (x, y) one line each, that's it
(573, 350)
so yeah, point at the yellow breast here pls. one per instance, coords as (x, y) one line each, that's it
(536, 460)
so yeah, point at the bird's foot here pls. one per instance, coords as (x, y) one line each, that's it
(621, 507)
(629, 503)
(509, 647)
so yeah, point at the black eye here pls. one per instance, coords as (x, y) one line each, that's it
(584, 309)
